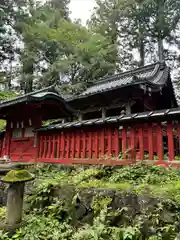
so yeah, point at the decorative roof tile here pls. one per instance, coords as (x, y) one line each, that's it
(40, 95)
(154, 75)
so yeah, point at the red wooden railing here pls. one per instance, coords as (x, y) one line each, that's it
(1, 147)
(112, 144)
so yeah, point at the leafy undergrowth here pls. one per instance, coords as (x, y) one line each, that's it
(125, 203)
(5, 96)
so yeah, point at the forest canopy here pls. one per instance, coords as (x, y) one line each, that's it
(41, 45)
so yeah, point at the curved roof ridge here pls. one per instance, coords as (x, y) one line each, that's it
(40, 95)
(129, 73)
(154, 75)
(29, 94)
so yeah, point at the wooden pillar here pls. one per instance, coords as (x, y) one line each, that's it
(67, 150)
(103, 113)
(159, 142)
(124, 142)
(128, 107)
(96, 150)
(132, 142)
(83, 154)
(40, 146)
(73, 145)
(141, 142)
(49, 147)
(109, 142)
(44, 146)
(90, 144)
(150, 141)
(78, 141)
(80, 117)
(170, 141)
(116, 142)
(7, 141)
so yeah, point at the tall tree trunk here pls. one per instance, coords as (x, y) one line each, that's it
(29, 84)
(9, 79)
(160, 33)
(9, 82)
(141, 44)
(28, 70)
(142, 53)
(160, 49)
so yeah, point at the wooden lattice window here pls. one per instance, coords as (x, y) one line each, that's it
(17, 133)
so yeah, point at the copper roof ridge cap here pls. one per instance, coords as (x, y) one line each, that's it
(165, 72)
(126, 73)
(155, 71)
(47, 93)
(26, 95)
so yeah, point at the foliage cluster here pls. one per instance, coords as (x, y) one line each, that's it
(42, 45)
(5, 96)
(52, 217)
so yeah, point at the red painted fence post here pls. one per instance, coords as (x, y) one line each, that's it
(96, 144)
(73, 145)
(90, 145)
(109, 143)
(124, 142)
(141, 143)
(116, 142)
(150, 141)
(159, 141)
(102, 143)
(170, 141)
(132, 143)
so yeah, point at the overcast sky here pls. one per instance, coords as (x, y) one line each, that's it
(81, 9)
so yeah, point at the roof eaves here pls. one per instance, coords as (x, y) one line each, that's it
(158, 69)
(33, 96)
(103, 91)
(129, 73)
(115, 119)
(23, 97)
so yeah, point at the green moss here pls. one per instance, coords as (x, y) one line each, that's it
(85, 175)
(100, 203)
(7, 95)
(17, 176)
(124, 186)
(2, 125)
(2, 212)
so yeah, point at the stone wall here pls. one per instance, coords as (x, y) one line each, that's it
(124, 207)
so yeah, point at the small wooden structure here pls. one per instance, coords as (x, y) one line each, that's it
(26, 113)
(121, 119)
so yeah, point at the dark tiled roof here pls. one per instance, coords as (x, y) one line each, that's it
(154, 75)
(115, 119)
(40, 95)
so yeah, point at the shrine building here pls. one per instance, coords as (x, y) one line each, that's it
(124, 118)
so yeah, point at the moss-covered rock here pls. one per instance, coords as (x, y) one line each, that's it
(17, 176)
(141, 202)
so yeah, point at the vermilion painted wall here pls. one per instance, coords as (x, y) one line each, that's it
(22, 148)
(105, 144)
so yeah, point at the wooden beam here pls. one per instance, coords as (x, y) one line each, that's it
(80, 117)
(103, 113)
(111, 106)
(128, 107)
